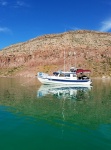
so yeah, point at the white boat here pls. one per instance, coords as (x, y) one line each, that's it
(61, 77)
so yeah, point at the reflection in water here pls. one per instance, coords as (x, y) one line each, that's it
(54, 117)
(69, 92)
(80, 105)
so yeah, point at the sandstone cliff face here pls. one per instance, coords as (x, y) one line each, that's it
(83, 49)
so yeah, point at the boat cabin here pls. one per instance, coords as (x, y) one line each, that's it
(74, 73)
(66, 74)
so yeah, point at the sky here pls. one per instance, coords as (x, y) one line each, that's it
(22, 20)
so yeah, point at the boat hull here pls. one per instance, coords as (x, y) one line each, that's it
(64, 81)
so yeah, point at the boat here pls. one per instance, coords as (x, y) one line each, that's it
(72, 77)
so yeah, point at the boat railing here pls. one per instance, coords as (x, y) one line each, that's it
(42, 75)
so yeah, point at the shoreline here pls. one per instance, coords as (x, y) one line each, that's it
(34, 76)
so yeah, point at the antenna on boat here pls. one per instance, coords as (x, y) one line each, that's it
(64, 62)
(75, 59)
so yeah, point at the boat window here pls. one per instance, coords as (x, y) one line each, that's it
(55, 73)
(74, 75)
(67, 75)
(61, 75)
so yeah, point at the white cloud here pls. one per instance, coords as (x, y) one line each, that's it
(15, 4)
(20, 4)
(106, 25)
(3, 3)
(4, 30)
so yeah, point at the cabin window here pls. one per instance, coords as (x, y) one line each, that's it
(67, 75)
(61, 75)
(74, 75)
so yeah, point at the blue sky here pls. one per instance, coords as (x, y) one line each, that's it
(21, 20)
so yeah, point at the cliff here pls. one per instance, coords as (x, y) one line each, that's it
(83, 49)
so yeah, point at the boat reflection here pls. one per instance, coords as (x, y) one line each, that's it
(70, 92)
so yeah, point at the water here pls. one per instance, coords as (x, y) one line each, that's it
(35, 117)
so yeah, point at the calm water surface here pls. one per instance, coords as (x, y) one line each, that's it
(35, 117)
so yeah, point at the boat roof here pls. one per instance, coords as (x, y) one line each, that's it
(83, 71)
(72, 72)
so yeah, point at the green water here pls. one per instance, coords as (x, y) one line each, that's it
(35, 117)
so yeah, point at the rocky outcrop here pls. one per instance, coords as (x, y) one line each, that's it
(83, 49)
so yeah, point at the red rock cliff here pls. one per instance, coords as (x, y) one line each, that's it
(83, 49)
